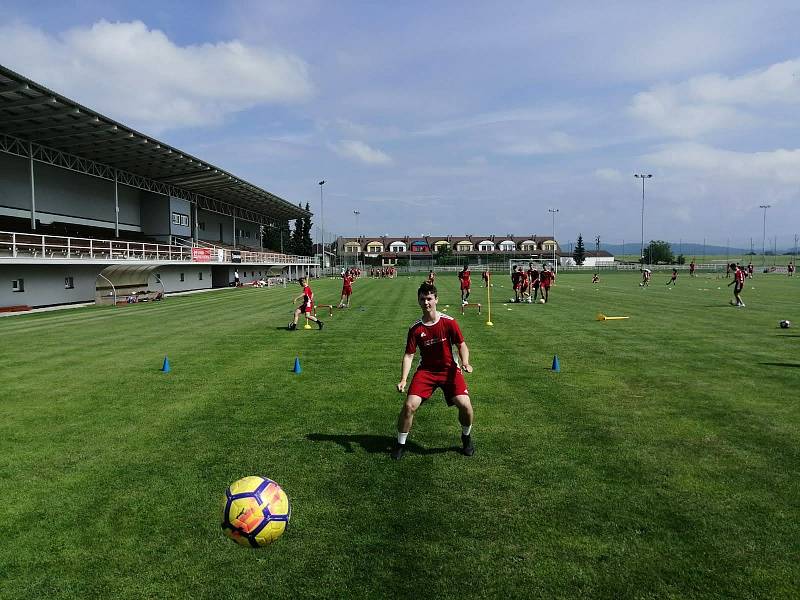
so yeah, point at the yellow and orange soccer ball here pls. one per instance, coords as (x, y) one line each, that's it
(255, 511)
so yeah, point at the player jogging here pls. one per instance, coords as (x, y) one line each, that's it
(738, 283)
(645, 277)
(463, 277)
(306, 307)
(546, 278)
(347, 289)
(434, 334)
(692, 267)
(673, 278)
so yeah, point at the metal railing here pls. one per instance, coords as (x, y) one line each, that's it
(29, 245)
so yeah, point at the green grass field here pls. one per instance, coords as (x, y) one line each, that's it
(662, 461)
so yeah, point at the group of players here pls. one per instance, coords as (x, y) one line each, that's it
(529, 284)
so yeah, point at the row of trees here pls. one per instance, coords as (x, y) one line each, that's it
(657, 251)
(290, 241)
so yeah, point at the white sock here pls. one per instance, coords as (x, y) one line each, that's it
(401, 437)
(466, 429)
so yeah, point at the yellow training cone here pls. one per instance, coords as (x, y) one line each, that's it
(602, 317)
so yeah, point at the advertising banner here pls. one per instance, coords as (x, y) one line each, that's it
(201, 254)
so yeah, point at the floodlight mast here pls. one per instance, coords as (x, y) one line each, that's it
(764, 234)
(642, 176)
(322, 223)
(554, 211)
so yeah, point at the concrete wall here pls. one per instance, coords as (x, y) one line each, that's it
(170, 276)
(155, 215)
(211, 231)
(44, 284)
(15, 185)
(183, 207)
(66, 196)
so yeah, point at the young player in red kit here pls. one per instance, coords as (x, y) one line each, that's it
(692, 267)
(546, 278)
(463, 277)
(306, 307)
(434, 334)
(347, 289)
(674, 277)
(738, 283)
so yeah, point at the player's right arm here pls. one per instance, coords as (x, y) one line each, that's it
(408, 359)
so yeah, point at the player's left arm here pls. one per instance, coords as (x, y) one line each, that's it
(463, 357)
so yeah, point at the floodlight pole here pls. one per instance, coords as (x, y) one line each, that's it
(554, 211)
(322, 223)
(642, 176)
(764, 234)
(357, 213)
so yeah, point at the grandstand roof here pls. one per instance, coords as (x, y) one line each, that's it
(31, 112)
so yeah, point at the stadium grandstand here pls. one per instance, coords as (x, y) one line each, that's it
(91, 210)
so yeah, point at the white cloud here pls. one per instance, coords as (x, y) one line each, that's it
(552, 143)
(531, 115)
(608, 175)
(138, 75)
(713, 102)
(780, 165)
(360, 151)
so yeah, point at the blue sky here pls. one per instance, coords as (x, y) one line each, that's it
(456, 117)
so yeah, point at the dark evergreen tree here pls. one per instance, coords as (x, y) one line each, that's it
(308, 244)
(580, 252)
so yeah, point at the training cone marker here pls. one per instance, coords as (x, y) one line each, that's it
(165, 366)
(307, 325)
(556, 365)
(297, 368)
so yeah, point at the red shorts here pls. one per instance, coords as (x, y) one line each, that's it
(306, 308)
(424, 383)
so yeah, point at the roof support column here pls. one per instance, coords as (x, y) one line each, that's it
(196, 228)
(234, 229)
(33, 187)
(116, 204)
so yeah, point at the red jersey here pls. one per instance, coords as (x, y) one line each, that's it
(546, 278)
(464, 277)
(739, 276)
(308, 296)
(347, 283)
(435, 342)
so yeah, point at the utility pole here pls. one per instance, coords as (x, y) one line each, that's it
(764, 234)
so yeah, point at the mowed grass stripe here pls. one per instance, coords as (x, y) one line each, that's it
(637, 471)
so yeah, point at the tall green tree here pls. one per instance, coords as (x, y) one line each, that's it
(579, 254)
(308, 244)
(658, 251)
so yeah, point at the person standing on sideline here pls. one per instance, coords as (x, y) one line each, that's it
(463, 277)
(645, 277)
(307, 307)
(790, 269)
(432, 277)
(692, 267)
(434, 334)
(738, 283)
(236, 278)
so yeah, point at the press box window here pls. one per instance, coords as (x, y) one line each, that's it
(18, 285)
(200, 276)
(69, 283)
(182, 277)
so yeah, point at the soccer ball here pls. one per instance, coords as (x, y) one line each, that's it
(255, 511)
(541, 300)
(785, 324)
